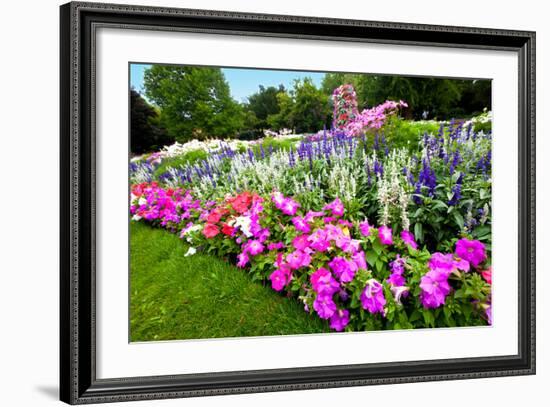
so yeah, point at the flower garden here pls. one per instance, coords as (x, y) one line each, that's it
(364, 230)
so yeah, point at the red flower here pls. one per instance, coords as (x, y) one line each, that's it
(214, 216)
(227, 230)
(488, 275)
(210, 230)
(241, 202)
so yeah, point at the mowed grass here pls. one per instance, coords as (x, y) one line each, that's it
(178, 297)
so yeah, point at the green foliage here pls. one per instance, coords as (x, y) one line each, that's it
(174, 162)
(407, 133)
(146, 133)
(311, 108)
(195, 102)
(282, 119)
(305, 108)
(263, 104)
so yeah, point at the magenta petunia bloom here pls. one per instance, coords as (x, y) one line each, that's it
(463, 265)
(336, 207)
(365, 228)
(333, 232)
(289, 207)
(298, 259)
(471, 250)
(435, 288)
(280, 278)
(346, 223)
(243, 260)
(339, 320)
(323, 282)
(301, 242)
(319, 240)
(324, 305)
(343, 269)
(254, 247)
(278, 199)
(442, 263)
(275, 246)
(408, 238)
(312, 215)
(359, 259)
(372, 297)
(385, 234)
(396, 280)
(301, 224)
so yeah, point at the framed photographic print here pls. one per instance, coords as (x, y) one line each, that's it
(255, 203)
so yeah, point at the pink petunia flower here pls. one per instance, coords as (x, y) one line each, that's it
(319, 240)
(301, 242)
(254, 247)
(280, 278)
(372, 297)
(336, 207)
(324, 305)
(301, 224)
(385, 235)
(339, 320)
(323, 282)
(289, 207)
(488, 275)
(365, 228)
(408, 238)
(471, 250)
(435, 288)
(298, 259)
(343, 269)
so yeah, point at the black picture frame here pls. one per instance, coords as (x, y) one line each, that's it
(78, 382)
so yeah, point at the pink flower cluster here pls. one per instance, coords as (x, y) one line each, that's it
(435, 283)
(167, 206)
(316, 249)
(348, 119)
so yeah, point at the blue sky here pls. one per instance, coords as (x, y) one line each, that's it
(242, 82)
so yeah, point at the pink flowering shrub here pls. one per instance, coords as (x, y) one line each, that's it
(353, 274)
(348, 119)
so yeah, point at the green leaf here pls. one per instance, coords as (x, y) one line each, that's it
(439, 204)
(371, 257)
(459, 220)
(418, 232)
(428, 317)
(379, 265)
(377, 246)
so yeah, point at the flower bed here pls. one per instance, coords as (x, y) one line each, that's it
(356, 275)
(368, 235)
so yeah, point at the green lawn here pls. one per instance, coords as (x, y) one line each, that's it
(178, 297)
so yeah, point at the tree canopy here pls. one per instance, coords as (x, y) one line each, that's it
(146, 133)
(196, 102)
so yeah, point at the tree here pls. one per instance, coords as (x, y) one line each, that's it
(304, 109)
(311, 110)
(195, 102)
(146, 134)
(282, 119)
(264, 103)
